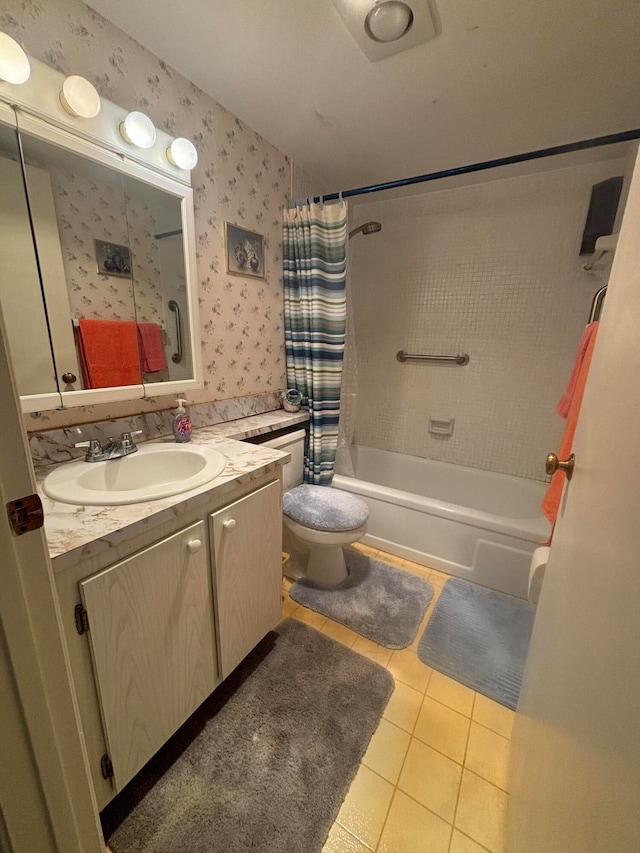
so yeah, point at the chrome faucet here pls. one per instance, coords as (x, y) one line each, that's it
(113, 449)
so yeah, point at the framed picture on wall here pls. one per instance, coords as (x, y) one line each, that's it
(113, 259)
(244, 251)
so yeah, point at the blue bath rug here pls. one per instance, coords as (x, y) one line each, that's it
(479, 637)
(378, 601)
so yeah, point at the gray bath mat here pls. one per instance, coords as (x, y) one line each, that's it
(479, 637)
(380, 602)
(265, 763)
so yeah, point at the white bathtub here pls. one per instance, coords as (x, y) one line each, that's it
(471, 523)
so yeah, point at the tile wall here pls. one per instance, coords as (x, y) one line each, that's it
(492, 270)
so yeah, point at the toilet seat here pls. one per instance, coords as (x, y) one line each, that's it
(324, 509)
(325, 537)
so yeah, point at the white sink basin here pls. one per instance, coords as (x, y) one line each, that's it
(155, 471)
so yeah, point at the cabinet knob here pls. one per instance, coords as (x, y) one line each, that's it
(229, 525)
(69, 378)
(194, 545)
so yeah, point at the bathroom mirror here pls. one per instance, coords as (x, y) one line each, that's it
(116, 294)
(20, 289)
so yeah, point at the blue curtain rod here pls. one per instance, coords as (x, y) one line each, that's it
(611, 139)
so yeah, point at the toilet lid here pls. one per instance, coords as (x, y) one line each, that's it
(324, 508)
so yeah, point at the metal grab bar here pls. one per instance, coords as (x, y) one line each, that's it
(176, 358)
(596, 304)
(461, 359)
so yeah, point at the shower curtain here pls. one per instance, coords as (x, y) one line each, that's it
(315, 238)
(348, 389)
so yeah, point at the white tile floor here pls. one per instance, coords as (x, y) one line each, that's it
(434, 777)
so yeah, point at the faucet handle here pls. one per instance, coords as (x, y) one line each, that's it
(94, 453)
(128, 444)
(94, 444)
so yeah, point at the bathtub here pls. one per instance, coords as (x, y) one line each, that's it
(471, 523)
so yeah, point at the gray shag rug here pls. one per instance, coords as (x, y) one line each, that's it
(380, 602)
(479, 637)
(266, 762)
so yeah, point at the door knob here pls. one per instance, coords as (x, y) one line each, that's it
(554, 464)
(229, 525)
(194, 545)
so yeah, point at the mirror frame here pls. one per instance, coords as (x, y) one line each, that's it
(63, 139)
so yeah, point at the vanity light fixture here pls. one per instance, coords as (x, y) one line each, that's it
(137, 129)
(79, 97)
(14, 62)
(182, 153)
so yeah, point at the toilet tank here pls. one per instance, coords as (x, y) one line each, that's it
(293, 443)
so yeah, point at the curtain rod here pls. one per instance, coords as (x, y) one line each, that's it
(610, 139)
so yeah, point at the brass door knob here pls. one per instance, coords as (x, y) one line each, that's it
(554, 464)
(69, 378)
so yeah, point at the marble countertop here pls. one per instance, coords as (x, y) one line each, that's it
(78, 532)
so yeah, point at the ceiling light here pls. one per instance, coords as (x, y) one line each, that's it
(389, 21)
(182, 153)
(79, 97)
(14, 62)
(383, 28)
(137, 129)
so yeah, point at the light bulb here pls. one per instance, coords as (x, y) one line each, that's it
(14, 62)
(79, 97)
(389, 21)
(182, 153)
(137, 129)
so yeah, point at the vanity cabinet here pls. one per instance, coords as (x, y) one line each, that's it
(168, 613)
(152, 638)
(246, 536)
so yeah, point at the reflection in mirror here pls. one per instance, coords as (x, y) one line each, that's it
(20, 286)
(86, 266)
(154, 219)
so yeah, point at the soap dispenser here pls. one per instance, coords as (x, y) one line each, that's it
(181, 423)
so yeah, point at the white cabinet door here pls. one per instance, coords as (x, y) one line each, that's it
(152, 636)
(247, 559)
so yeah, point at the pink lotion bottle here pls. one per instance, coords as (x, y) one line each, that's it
(181, 423)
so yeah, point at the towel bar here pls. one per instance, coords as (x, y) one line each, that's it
(76, 324)
(460, 360)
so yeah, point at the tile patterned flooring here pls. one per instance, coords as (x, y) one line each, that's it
(434, 777)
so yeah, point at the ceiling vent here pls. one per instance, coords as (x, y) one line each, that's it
(385, 27)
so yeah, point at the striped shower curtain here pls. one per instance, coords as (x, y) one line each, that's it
(315, 239)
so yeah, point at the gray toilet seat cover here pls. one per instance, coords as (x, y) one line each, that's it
(324, 508)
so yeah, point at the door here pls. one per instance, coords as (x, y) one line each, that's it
(575, 773)
(247, 546)
(152, 640)
(46, 797)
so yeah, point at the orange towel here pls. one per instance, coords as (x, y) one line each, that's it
(151, 350)
(109, 353)
(551, 501)
(565, 401)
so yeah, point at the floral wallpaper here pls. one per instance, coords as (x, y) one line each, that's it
(240, 178)
(89, 210)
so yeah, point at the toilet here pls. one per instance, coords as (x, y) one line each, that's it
(318, 521)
